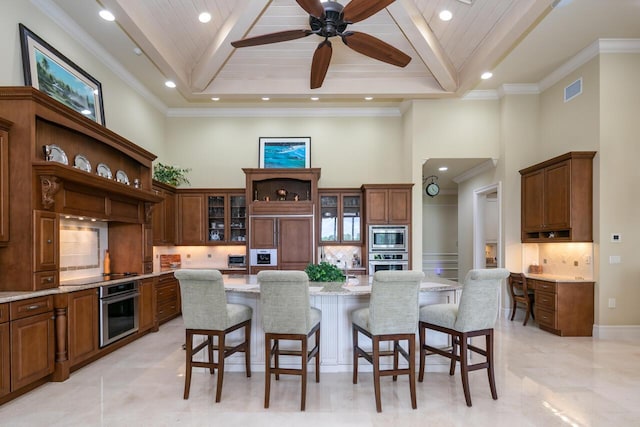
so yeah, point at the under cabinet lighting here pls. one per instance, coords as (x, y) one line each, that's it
(314, 98)
(215, 98)
(265, 98)
(106, 15)
(368, 98)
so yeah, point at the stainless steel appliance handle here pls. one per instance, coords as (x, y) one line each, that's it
(120, 297)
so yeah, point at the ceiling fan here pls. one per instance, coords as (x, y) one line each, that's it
(330, 19)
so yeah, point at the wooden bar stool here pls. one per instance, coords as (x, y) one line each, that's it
(287, 315)
(205, 312)
(392, 315)
(475, 316)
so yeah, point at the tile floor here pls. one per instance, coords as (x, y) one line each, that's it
(542, 379)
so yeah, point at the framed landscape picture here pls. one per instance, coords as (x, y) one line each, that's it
(285, 153)
(51, 72)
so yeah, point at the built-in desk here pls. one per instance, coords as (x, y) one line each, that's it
(563, 305)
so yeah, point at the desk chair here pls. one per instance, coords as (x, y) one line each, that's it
(288, 315)
(392, 315)
(521, 294)
(474, 316)
(205, 312)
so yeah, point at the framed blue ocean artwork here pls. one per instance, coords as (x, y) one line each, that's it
(285, 152)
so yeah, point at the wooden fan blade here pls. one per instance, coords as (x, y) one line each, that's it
(320, 64)
(357, 10)
(281, 36)
(375, 48)
(312, 7)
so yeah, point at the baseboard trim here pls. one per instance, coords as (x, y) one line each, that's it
(617, 332)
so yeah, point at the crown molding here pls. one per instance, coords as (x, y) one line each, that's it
(285, 112)
(480, 95)
(58, 16)
(477, 170)
(518, 89)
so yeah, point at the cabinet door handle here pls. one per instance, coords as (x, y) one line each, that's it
(33, 307)
(49, 279)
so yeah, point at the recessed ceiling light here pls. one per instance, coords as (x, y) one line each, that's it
(486, 75)
(368, 98)
(443, 168)
(204, 17)
(265, 98)
(106, 15)
(445, 15)
(137, 51)
(314, 98)
(170, 84)
(215, 98)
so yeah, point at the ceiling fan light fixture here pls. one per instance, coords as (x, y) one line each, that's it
(445, 15)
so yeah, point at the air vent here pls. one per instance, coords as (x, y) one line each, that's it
(573, 90)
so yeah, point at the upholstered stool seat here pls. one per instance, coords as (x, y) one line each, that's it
(392, 315)
(474, 316)
(288, 316)
(205, 311)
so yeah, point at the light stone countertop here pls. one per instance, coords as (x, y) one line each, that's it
(558, 278)
(355, 285)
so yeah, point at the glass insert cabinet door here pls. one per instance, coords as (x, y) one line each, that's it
(340, 218)
(329, 218)
(238, 218)
(216, 217)
(351, 218)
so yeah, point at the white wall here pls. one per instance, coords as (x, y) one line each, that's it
(126, 112)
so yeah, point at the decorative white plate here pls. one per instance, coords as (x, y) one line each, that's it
(82, 163)
(57, 154)
(122, 177)
(104, 171)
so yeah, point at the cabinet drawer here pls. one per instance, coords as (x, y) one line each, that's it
(545, 300)
(30, 307)
(546, 318)
(546, 286)
(167, 293)
(4, 312)
(167, 310)
(45, 280)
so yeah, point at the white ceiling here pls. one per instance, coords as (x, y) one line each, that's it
(522, 41)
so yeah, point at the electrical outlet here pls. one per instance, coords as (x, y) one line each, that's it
(612, 303)
(616, 237)
(587, 259)
(208, 255)
(188, 255)
(575, 263)
(544, 261)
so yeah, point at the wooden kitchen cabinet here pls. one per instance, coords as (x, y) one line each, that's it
(46, 243)
(167, 298)
(4, 181)
(147, 305)
(557, 199)
(164, 215)
(387, 203)
(5, 354)
(191, 219)
(292, 236)
(564, 308)
(83, 325)
(32, 340)
(339, 217)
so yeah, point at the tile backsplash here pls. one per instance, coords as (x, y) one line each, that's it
(339, 255)
(197, 256)
(561, 259)
(82, 246)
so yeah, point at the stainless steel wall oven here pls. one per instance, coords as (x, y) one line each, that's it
(118, 311)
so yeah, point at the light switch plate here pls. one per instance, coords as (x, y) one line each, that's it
(615, 259)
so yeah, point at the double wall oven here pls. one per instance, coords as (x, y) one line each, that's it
(388, 248)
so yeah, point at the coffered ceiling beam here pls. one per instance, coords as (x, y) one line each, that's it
(417, 30)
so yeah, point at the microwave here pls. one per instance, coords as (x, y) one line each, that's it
(388, 238)
(263, 257)
(236, 261)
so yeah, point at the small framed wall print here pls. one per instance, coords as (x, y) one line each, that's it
(285, 153)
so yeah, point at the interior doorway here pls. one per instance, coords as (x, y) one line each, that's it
(487, 227)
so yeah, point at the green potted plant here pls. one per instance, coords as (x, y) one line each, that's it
(171, 175)
(324, 272)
